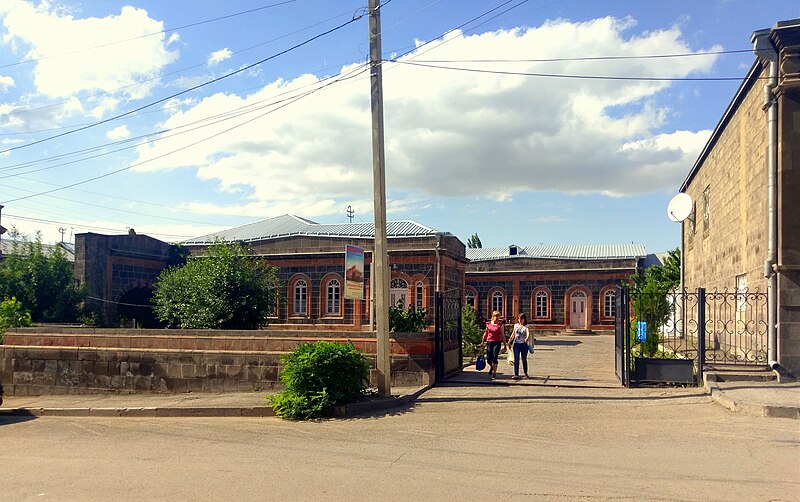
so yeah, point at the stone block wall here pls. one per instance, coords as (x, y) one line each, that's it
(734, 241)
(37, 361)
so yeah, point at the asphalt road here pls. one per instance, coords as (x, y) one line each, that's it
(461, 442)
(569, 433)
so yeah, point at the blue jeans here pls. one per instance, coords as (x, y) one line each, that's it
(520, 352)
(492, 352)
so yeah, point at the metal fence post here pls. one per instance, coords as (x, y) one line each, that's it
(701, 333)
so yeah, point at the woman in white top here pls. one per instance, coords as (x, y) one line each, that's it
(520, 337)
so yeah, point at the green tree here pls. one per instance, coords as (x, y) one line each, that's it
(471, 332)
(474, 242)
(411, 320)
(227, 288)
(43, 282)
(648, 292)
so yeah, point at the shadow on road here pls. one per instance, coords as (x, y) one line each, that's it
(11, 417)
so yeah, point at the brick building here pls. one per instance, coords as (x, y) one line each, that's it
(744, 233)
(558, 287)
(547, 282)
(310, 261)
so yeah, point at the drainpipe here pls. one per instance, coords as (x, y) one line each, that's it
(765, 50)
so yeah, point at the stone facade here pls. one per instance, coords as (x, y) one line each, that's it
(726, 240)
(115, 268)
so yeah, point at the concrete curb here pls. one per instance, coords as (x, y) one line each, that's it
(719, 396)
(199, 411)
(343, 411)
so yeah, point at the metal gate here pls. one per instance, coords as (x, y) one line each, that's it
(622, 326)
(718, 329)
(448, 333)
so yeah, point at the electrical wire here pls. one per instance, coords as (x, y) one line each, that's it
(168, 153)
(164, 31)
(580, 77)
(160, 76)
(190, 89)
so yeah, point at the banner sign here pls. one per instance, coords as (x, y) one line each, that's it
(353, 273)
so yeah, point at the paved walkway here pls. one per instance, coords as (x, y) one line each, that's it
(568, 361)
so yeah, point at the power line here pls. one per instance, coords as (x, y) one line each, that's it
(198, 86)
(228, 16)
(160, 76)
(588, 58)
(343, 77)
(42, 220)
(205, 121)
(583, 77)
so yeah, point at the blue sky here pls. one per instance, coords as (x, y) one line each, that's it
(100, 89)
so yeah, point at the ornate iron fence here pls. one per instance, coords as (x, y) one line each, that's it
(733, 326)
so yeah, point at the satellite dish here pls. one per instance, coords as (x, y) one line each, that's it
(680, 207)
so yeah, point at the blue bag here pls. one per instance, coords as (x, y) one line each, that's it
(530, 348)
(480, 363)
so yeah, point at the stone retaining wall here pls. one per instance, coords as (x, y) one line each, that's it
(37, 361)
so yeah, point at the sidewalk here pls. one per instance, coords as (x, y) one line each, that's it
(575, 361)
(229, 404)
(760, 398)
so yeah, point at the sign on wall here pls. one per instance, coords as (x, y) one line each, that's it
(353, 273)
(641, 329)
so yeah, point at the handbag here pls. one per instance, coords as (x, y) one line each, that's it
(511, 357)
(480, 363)
(530, 348)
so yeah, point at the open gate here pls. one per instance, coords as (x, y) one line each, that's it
(448, 333)
(622, 326)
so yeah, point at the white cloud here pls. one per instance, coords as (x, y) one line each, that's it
(70, 61)
(6, 82)
(219, 56)
(120, 132)
(453, 132)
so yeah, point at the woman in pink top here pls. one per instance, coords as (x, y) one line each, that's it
(493, 338)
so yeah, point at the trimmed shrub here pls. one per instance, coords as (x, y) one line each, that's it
(411, 320)
(319, 376)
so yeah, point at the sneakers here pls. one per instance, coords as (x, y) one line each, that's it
(515, 377)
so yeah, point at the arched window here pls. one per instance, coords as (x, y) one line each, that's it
(419, 295)
(609, 304)
(398, 292)
(470, 298)
(300, 297)
(498, 302)
(541, 304)
(333, 298)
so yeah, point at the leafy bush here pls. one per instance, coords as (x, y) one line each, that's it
(13, 315)
(319, 376)
(471, 332)
(411, 320)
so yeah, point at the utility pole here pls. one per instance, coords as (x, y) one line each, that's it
(380, 257)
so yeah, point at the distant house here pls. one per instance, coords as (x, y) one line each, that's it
(558, 287)
(7, 248)
(744, 233)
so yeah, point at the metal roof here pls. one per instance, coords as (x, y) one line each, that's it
(291, 225)
(569, 252)
(7, 248)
